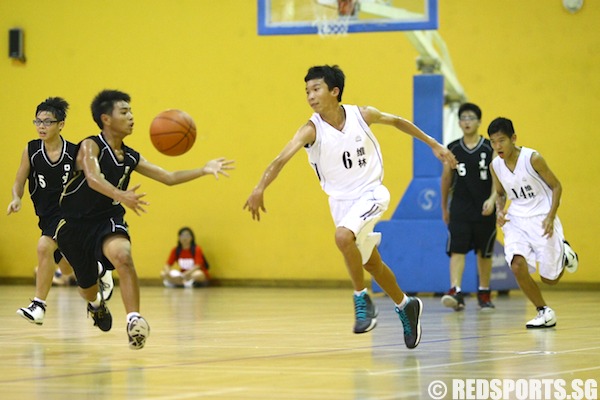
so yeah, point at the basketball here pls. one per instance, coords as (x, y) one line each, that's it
(173, 132)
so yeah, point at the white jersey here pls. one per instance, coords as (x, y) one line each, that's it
(527, 191)
(347, 162)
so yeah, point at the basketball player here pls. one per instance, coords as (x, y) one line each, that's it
(347, 160)
(533, 233)
(93, 225)
(468, 199)
(46, 163)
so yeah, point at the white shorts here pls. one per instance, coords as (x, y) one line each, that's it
(360, 216)
(523, 237)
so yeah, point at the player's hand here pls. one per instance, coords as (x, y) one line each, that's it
(14, 206)
(218, 166)
(501, 218)
(446, 215)
(255, 203)
(488, 207)
(133, 200)
(548, 225)
(445, 156)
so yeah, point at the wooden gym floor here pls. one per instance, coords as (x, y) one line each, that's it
(253, 343)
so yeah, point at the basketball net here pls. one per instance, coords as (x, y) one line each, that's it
(347, 10)
(332, 27)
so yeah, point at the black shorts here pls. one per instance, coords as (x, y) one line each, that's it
(57, 256)
(466, 236)
(48, 225)
(81, 244)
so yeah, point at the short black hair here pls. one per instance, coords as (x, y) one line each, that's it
(470, 107)
(332, 75)
(55, 105)
(104, 103)
(502, 125)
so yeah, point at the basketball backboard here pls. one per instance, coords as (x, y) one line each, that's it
(298, 17)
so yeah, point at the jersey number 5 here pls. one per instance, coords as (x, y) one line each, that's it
(42, 181)
(461, 169)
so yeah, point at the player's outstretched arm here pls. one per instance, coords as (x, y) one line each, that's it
(18, 188)
(373, 116)
(255, 203)
(216, 167)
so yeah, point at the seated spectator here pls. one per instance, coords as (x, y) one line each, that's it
(186, 265)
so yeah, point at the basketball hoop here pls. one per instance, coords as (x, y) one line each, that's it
(347, 10)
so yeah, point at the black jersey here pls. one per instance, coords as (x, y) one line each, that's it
(47, 178)
(472, 180)
(80, 202)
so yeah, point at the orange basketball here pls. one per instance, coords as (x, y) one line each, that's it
(173, 132)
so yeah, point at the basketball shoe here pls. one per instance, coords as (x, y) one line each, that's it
(410, 317)
(107, 284)
(33, 313)
(138, 331)
(484, 298)
(101, 316)
(545, 318)
(570, 260)
(365, 312)
(454, 299)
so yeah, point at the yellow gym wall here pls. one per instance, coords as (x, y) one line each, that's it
(530, 61)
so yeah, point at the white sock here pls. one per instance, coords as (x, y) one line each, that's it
(39, 300)
(132, 314)
(361, 292)
(457, 289)
(96, 303)
(403, 303)
(483, 288)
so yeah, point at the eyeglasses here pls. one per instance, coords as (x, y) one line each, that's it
(46, 122)
(468, 118)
